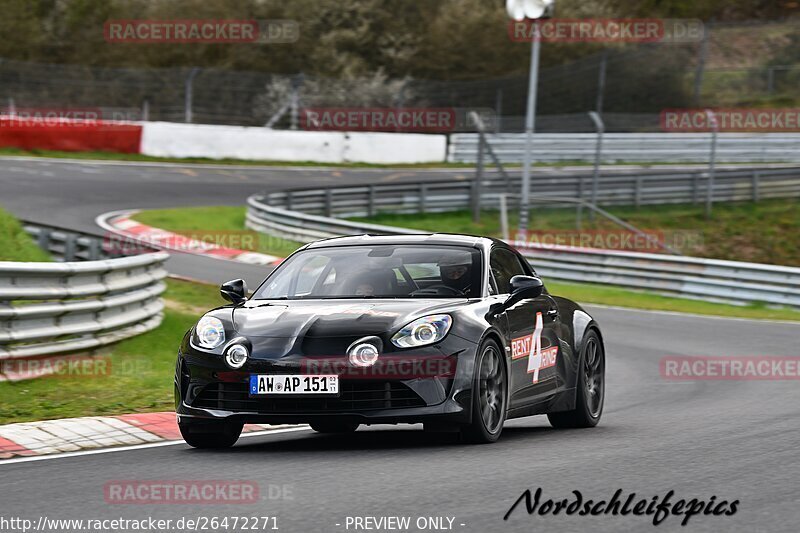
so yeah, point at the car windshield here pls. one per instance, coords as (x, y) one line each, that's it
(383, 271)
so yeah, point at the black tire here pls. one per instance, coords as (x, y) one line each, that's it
(211, 434)
(334, 427)
(489, 396)
(590, 393)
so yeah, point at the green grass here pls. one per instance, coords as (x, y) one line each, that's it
(764, 232)
(196, 221)
(586, 293)
(16, 244)
(139, 377)
(727, 218)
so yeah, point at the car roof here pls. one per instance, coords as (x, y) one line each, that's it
(420, 239)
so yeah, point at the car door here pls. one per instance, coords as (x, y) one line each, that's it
(533, 331)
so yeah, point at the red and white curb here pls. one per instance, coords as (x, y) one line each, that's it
(93, 432)
(121, 224)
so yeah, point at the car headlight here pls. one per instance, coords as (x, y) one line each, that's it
(209, 332)
(423, 331)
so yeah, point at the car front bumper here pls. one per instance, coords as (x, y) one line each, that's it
(206, 389)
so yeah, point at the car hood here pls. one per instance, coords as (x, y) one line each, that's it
(333, 318)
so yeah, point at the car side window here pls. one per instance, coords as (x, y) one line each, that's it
(505, 265)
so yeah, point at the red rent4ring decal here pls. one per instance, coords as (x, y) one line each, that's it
(531, 346)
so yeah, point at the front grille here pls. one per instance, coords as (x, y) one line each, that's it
(355, 395)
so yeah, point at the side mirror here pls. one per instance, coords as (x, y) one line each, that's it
(522, 288)
(235, 291)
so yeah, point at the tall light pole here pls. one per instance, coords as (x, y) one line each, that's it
(520, 10)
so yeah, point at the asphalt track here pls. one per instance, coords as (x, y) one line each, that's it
(736, 440)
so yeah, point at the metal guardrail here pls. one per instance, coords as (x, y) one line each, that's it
(644, 147)
(56, 308)
(725, 281)
(67, 245)
(627, 188)
(707, 279)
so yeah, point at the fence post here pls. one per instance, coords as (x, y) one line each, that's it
(294, 100)
(701, 63)
(598, 154)
(503, 217)
(756, 192)
(579, 205)
(423, 196)
(499, 111)
(712, 119)
(601, 81)
(476, 189)
(695, 187)
(189, 95)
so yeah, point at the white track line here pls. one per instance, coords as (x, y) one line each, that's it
(137, 447)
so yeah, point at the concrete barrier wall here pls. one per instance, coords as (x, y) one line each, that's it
(166, 139)
(70, 135)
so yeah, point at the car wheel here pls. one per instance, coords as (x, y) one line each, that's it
(591, 388)
(489, 396)
(211, 434)
(334, 427)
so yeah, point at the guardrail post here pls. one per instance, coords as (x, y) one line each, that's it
(637, 197)
(695, 187)
(43, 241)
(423, 196)
(756, 192)
(371, 201)
(289, 200)
(328, 202)
(94, 250)
(69, 247)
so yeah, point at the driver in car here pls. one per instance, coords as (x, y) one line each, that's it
(455, 272)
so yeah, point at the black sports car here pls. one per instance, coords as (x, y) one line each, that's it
(453, 331)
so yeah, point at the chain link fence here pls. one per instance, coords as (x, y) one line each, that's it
(640, 80)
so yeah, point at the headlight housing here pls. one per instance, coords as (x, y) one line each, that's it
(209, 332)
(423, 331)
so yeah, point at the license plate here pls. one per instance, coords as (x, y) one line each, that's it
(293, 384)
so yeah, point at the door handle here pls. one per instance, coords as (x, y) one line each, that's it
(552, 313)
